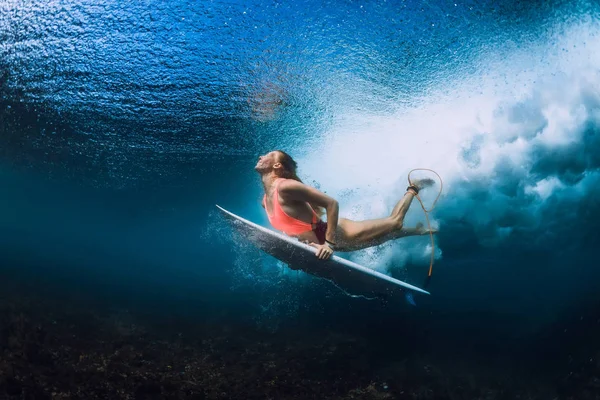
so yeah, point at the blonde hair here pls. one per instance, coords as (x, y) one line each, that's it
(289, 172)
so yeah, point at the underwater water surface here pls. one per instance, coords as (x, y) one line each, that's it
(122, 124)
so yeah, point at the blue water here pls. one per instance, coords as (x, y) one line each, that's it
(123, 124)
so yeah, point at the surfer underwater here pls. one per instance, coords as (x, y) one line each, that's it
(296, 209)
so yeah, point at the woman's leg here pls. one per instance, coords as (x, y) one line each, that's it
(356, 235)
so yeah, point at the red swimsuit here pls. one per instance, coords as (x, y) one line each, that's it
(292, 226)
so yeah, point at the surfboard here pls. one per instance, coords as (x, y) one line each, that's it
(351, 277)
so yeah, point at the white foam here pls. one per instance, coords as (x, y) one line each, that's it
(485, 130)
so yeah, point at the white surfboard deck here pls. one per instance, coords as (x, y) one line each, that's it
(348, 275)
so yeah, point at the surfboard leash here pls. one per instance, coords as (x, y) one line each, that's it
(426, 211)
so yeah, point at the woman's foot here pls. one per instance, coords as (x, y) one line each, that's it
(424, 183)
(420, 229)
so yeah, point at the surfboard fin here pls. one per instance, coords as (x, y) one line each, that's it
(410, 298)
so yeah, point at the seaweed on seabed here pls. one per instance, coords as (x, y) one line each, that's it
(22, 356)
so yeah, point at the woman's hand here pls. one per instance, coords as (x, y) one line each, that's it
(323, 250)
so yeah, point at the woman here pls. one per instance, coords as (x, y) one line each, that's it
(295, 209)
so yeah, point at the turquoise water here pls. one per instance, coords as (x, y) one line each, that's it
(123, 124)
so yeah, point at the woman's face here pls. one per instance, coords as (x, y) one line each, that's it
(266, 162)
